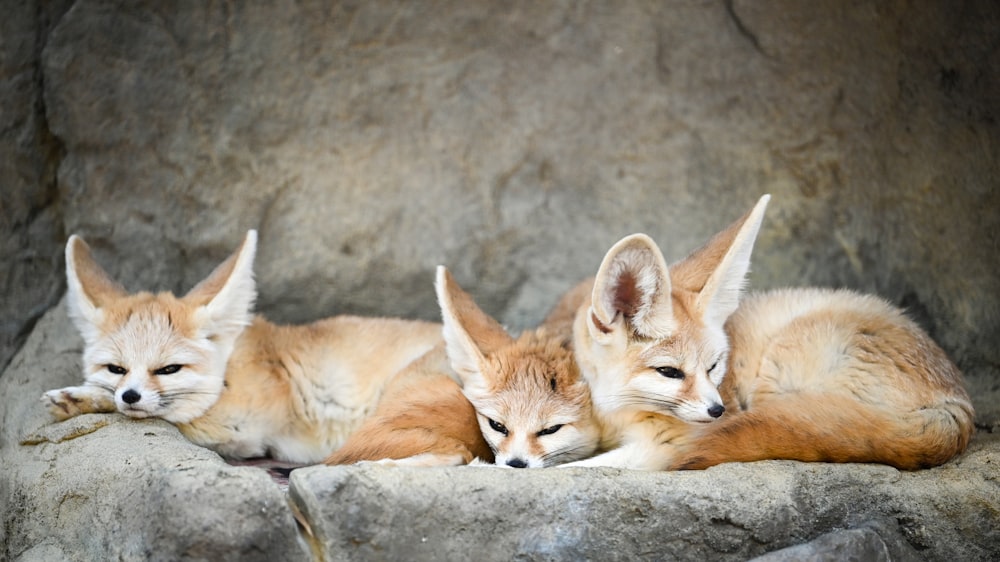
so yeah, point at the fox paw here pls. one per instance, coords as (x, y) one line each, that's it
(65, 403)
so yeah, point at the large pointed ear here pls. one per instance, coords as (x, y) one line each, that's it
(225, 298)
(89, 287)
(717, 271)
(469, 333)
(632, 289)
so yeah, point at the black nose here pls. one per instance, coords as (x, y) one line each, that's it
(716, 410)
(517, 463)
(130, 396)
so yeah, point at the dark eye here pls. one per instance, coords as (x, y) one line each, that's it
(714, 365)
(116, 369)
(498, 427)
(670, 372)
(550, 430)
(168, 370)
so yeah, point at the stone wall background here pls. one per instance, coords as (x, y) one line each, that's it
(512, 141)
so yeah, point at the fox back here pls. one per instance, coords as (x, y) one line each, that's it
(836, 376)
(423, 419)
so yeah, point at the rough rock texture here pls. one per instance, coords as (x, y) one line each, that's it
(514, 142)
(871, 542)
(31, 230)
(730, 512)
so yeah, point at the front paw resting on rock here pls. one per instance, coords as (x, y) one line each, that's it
(65, 403)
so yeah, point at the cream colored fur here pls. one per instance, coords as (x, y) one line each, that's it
(230, 381)
(684, 376)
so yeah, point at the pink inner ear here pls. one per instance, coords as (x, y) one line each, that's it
(96, 284)
(598, 324)
(626, 294)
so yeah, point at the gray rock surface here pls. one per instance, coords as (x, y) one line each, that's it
(31, 230)
(514, 142)
(871, 542)
(729, 512)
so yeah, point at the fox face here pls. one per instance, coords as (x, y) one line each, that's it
(533, 406)
(653, 339)
(150, 354)
(155, 355)
(677, 376)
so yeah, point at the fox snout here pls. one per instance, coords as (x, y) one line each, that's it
(135, 402)
(702, 401)
(510, 456)
(700, 412)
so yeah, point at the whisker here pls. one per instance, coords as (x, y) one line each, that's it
(566, 454)
(573, 448)
(636, 399)
(179, 393)
(102, 386)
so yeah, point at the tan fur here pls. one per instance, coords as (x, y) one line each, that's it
(529, 384)
(424, 414)
(802, 374)
(233, 382)
(873, 387)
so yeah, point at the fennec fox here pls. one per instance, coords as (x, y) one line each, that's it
(684, 376)
(228, 380)
(522, 400)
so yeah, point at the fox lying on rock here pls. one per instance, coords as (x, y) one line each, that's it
(653, 367)
(228, 380)
(684, 375)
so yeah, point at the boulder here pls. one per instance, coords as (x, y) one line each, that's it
(729, 512)
(31, 228)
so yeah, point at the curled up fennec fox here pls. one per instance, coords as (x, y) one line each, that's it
(521, 400)
(228, 380)
(685, 376)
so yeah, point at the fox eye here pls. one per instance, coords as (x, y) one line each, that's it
(498, 427)
(714, 365)
(550, 430)
(168, 370)
(116, 369)
(670, 372)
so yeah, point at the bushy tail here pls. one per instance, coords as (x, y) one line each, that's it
(824, 428)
